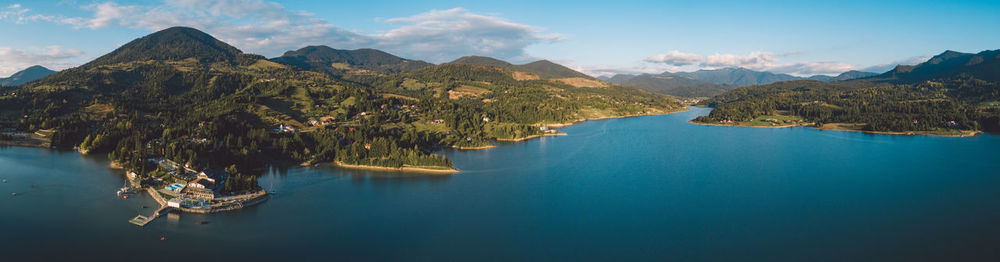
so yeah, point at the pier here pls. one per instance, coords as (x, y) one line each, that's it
(141, 220)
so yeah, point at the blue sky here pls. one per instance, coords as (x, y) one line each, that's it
(597, 37)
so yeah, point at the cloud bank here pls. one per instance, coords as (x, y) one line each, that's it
(53, 57)
(758, 60)
(269, 29)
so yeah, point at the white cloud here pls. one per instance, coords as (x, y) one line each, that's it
(442, 35)
(812, 68)
(758, 60)
(269, 29)
(637, 69)
(53, 57)
(677, 58)
(882, 68)
(20, 15)
(753, 60)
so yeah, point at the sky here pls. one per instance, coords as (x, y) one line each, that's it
(596, 37)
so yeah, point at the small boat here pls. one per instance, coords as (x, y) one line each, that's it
(124, 191)
(204, 222)
(5, 180)
(13, 194)
(163, 238)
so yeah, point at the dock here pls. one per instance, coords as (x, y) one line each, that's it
(141, 220)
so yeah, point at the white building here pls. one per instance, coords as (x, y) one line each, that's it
(174, 202)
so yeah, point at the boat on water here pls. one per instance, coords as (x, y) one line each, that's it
(124, 192)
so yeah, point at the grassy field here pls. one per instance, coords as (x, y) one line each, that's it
(782, 120)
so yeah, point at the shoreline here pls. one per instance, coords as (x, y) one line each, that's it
(834, 128)
(896, 133)
(737, 125)
(561, 125)
(473, 147)
(666, 112)
(427, 170)
(531, 137)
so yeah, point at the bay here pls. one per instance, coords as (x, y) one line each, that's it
(643, 188)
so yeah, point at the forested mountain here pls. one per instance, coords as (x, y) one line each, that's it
(735, 76)
(27, 75)
(704, 83)
(674, 85)
(185, 96)
(985, 65)
(176, 44)
(326, 59)
(849, 75)
(544, 69)
(952, 93)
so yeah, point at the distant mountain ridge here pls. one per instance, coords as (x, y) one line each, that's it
(670, 84)
(849, 75)
(543, 68)
(983, 65)
(950, 94)
(323, 58)
(27, 75)
(704, 83)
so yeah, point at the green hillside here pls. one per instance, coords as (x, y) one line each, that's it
(326, 59)
(543, 68)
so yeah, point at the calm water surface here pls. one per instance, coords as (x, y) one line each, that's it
(645, 188)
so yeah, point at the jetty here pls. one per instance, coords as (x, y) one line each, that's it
(141, 220)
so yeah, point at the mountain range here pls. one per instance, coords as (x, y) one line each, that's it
(27, 75)
(327, 59)
(984, 65)
(706, 83)
(950, 94)
(315, 104)
(544, 69)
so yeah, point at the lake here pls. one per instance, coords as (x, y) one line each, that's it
(644, 188)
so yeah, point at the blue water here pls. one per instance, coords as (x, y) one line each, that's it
(645, 188)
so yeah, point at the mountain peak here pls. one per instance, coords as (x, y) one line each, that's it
(36, 68)
(321, 58)
(982, 66)
(549, 69)
(481, 60)
(172, 44)
(543, 68)
(29, 74)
